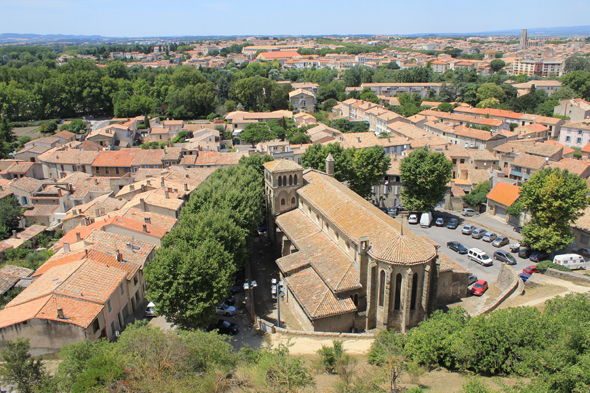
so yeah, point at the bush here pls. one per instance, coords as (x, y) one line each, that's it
(330, 356)
(544, 265)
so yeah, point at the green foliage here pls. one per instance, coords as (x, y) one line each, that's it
(445, 107)
(261, 94)
(425, 176)
(544, 265)
(330, 356)
(10, 215)
(554, 199)
(153, 145)
(475, 385)
(579, 82)
(21, 369)
(255, 133)
(9, 295)
(478, 196)
(497, 64)
(49, 127)
(75, 126)
(578, 153)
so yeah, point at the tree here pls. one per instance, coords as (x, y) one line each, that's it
(564, 93)
(329, 104)
(478, 196)
(425, 176)
(489, 103)
(489, 90)
(19, 367)
(255, 133)
(497, 64)
(6, 134)
(10, 215)
(445, 107)
(579, 82)
(369, 166)
(577, 63)
(555, 199)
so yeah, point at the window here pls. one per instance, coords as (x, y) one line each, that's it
(579, 132)
(83, 168)
(117, 171)
(584, 239)
(285, 180)
(398, 292)
(293, 201)
(290, 180)
(462, 161)
(95, 326)
(97, 171)
(62, 168)
(109, 305)
(135, 280)
(126, 170)
(414, 291)
(113, 328)
(381, 288)
(106, 171)
(280, 181)
(122, 288)
(579, 141)
(283, 202)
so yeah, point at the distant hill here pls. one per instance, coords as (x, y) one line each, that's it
(565, 31)
(38, 38)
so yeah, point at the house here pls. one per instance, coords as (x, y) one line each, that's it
(116, 163)
(62, 162)
(464, 136)
(553, 123)
(525, 165)
(115, 136)
(309, 86)
(345, 264)
(23, 189)
(395, 89)
(577, 109)
(501, 197)
(13, 276)
(23, 169)
(575, 134)
(532, 131)
(388, 192)
(31, 153)
(452, 119)
(302, 101)
(157, 201)
(304, 119)
(240, 119)
(580, 168)
(87, 213)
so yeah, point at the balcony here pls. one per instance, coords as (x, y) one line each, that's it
(516, 174)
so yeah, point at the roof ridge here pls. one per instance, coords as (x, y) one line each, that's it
(321, 302)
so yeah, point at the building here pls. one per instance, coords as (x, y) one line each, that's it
(539, 67)
(576, 134)
(394, 89)
(302, 101)
(467, 137)
(346, 264)
(501, 197)
(576, 109)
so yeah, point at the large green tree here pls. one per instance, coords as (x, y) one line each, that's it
(21, 369)
(579, 82)
(554, 199)
(425, 175)
(10, 215)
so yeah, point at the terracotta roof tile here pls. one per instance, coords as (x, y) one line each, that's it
(504, 193)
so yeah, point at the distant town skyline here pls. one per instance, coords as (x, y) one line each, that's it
(148, 18)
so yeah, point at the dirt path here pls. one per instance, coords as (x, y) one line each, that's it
(305, 345)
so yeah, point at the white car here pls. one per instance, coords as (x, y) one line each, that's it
(224, 309)
(150, 310)
(413, 219)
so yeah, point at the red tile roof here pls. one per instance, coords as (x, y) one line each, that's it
(505, 194)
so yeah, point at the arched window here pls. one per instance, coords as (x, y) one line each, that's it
(290, 180)
(347, 245)
(280, 181)
(295, 180)
(398, 292)
(327, 227)
(337, 235)
(293, 201)
(381, 287)
(283, 202)
(414, 291)
(285, 180)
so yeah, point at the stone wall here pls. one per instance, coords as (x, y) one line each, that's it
(269, 327)
(509, 283)
(45, 336)
(576, 278)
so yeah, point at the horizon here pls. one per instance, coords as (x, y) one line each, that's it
(227, 18)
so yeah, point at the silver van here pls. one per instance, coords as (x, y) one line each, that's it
(469, 212)
(477, 255)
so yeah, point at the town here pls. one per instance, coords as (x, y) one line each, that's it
(217, 214)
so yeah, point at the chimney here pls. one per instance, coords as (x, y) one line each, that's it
(330, 165)
(95, 181)
(66, 247)
(162, 182)
(145, 228)
(185, 187)
(147, 220)
(142, 204)
(149, 182)
(119, 256)
(78, 238)
(166, 194)
(14, 234)
(60, 313)
(132, 187)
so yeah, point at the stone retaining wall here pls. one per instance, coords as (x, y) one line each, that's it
(576, 278)
(509, 283)
(270, 327)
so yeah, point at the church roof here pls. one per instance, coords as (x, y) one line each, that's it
(282, 165)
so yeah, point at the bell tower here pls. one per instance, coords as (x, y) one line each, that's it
(282, 178)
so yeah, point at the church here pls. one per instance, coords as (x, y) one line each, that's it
(346, 265)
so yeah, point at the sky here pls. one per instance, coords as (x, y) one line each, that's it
(149, 18)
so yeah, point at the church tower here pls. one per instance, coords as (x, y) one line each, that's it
(282, 178)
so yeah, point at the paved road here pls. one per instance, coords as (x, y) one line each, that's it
(442, 235)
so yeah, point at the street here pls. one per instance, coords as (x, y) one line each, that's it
(442, 235)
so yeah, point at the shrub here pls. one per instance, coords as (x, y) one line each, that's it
(330, 356)
(544, 265)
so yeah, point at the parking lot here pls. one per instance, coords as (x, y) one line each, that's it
(442, 235)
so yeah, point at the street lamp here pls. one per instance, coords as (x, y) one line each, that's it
(249, 287)
(277, 292)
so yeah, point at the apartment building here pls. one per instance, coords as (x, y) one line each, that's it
(577, 109)
(464, 136)
(394, 89)
(538, 67)
(576, 134)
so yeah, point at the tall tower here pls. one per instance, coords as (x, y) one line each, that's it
(282, 178)
(523, 39)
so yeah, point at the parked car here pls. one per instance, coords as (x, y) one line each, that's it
(515, 247)
(479, 287)
(524, 277)
(439, 222)
(500, 241)
(468, 229)
(489, 237)
(383, 209)
(453, 223)
(261, 228)
(237, 287)
(457, 247)
(525, 253)
(426, 220)
(150, 310)
(413, 219)
(530, 269)
(539, 256)
(517, 229)
(504, 256)
(230, 300)
(224, 309)
(471, 279)
(469, 212)
(391, 211)
(478, 233)
(582, 251)
(224, 327)
(477, 255)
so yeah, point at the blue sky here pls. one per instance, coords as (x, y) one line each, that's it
(140, 18)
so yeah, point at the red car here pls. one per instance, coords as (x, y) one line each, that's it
(530, 269)
(479, 287)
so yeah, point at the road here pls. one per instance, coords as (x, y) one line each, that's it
(442, 235)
